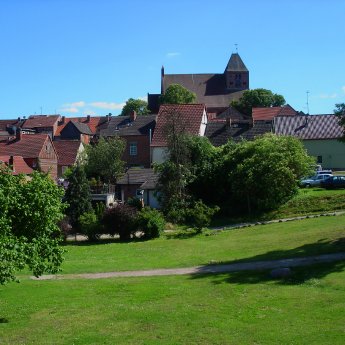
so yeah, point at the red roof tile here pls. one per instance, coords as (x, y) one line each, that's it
(268, 113)
(36, 121)
(30, 146)
(67, 151)
(190, 117)
(19, 166)
(93, 122)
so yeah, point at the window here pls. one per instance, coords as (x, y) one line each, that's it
(133, 149)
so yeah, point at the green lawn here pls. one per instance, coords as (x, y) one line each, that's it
(246, 308)
(262, 242)
(236, 308)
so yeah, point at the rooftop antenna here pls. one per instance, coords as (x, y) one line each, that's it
(308, 102)
(236, 45)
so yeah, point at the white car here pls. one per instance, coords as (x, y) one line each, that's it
(314, 180)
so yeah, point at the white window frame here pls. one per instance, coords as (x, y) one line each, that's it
(133, 149)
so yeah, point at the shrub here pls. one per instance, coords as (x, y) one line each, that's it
(151, 222)
(135, 202)
(99, 210)
(199, 215)
(89, 226)
(120, 220)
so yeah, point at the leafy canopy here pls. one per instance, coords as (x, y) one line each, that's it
(103, 159)
(137, 105)
(29, 235)
(177, 94)
(77, 195)
(257, 98)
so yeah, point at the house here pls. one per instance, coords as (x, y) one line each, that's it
(139, 183)
(188, 118)
(37, 151)
(94, 123)
(137, 132)
(16, 164)
(68, 152)
(269, 113)
(47, 124)
(319, 134)
(220, 131)
(76, 131)
(216, 91)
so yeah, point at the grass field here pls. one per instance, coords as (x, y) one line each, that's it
(262, 242)
(236, 308)
(246, 308)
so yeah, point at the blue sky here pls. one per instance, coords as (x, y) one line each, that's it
(77, 57)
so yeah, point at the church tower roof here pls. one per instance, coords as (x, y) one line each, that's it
(236, 64)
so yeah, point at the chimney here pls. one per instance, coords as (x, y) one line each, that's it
(133, 115)
(63, 120)
(88, 118)
(19, 119)
(19, 134)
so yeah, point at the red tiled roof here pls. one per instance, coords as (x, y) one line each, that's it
(5, 123)
(36, 121)
(29, 146)
(67, 151)
(190, 117)
(19, 166)
(268, 113)
(93, 122)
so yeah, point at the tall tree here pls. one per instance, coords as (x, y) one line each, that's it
(257, 98)
(340, 112)
(177, 94)
(137, 105)
(103, 159)
(29, 235)
(77, 195)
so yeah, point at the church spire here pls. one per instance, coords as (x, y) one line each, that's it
(236, 73)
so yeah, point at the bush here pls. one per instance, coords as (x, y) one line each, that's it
(89, 226)
(120, 220)
(199, 215)
(151, 222)
(135, 202)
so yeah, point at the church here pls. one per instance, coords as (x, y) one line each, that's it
(216, 91)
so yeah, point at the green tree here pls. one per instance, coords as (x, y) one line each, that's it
(137, 105)
(257, 98)
(29, 235)
(103, 159)
(264, 173)
(177, 94)
(340, 112)
(77, 195)
(175, 172)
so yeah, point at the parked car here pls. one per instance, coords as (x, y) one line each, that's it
(314, 180)
(334, 182)
(324, 172)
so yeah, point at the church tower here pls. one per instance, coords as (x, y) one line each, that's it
(236, 74)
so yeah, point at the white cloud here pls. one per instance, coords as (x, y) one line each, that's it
(75, 104)
(172, 54)
(69, 110)
(89, 112)
(325, 95)
(107, 105)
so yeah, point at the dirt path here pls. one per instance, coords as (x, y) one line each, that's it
(208, 269)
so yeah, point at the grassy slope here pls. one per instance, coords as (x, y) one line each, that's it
(236, 308)
(245, 308)
(272, 241)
